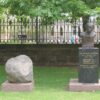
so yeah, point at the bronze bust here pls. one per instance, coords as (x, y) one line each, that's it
(88, 36)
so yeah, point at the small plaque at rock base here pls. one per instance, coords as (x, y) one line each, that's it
(17, 87)
(88, 65)
(76, 86)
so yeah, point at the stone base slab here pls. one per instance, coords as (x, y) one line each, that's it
(17, 87)
(74, 85)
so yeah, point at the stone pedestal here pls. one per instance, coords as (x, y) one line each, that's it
(17, 87)
(88, 65)
(88, 76)
(76, 86)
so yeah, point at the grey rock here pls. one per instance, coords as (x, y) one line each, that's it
(19, 69)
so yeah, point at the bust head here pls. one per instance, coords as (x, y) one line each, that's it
(90, 28)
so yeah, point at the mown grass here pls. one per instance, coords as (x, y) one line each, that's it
(51, 83)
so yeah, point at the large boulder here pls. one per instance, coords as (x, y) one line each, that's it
(19, 69)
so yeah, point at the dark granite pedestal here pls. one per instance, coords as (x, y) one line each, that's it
(88, 65)
(88, 76)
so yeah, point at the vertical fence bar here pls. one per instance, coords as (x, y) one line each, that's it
(64, 32)
(10, 33)
(57, 32)
(39, 30)
(53, 28)
(97, 32)
(42, 32)
(36, 30)
(6, 24)
(28, 30)
(98, 29)
(0, 30)
(14, 31)
(3, 30)
(21, 30)
(46, 31)
(18, 29)
(32, 29)
(24, 31)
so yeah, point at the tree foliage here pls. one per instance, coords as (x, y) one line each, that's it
(18, 7)
(2, 8)
(52, 9)
(98, 15)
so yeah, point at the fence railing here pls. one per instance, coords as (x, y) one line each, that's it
(37, 31)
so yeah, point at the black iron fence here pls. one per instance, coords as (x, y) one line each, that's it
(38, 31)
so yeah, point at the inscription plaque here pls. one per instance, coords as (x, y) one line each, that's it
(88, 65)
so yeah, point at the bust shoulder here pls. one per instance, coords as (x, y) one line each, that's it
(93, 34)
(85, 34)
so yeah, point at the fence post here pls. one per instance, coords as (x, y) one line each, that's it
(21, 29)
(36, 30)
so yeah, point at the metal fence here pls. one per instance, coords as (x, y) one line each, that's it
(38, 31)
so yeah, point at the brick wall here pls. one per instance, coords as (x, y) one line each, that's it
(43, 55)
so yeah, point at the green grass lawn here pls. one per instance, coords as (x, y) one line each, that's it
(51, 83)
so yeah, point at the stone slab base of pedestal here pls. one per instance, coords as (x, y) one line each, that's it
(17, 87)
(74, 85)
